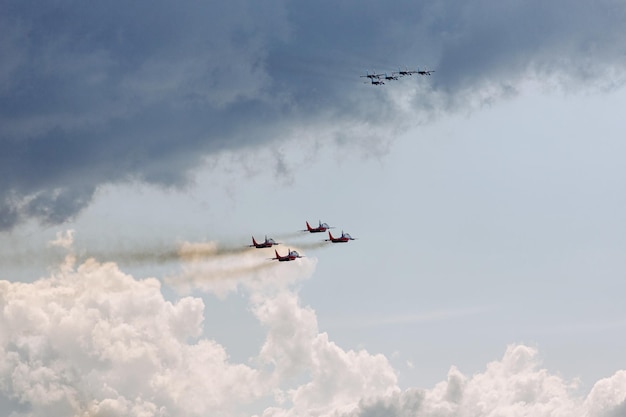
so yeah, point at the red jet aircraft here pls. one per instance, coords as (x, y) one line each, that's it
(344, 238)
(291, 256)
(321, 228)
(268, 243)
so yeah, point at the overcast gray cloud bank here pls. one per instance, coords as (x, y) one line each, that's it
(94, 94)
(91, 340)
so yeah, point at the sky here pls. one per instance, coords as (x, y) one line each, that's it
(143, 144)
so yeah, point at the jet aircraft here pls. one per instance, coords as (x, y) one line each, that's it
(406, 71)
(425, 72)
(390, 77)
(344, 238)
(268, 243)
(321, 228)
(371, 76)
(291, 256)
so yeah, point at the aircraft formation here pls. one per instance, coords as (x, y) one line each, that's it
(379, 79)
(292, 254)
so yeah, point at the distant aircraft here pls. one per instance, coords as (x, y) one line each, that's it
(321, 228)
(425, 72)
(268, 243)
(344, 238)
(406, 72)
(371, 76)
(377, 82)
(390, 77)
(291, 256)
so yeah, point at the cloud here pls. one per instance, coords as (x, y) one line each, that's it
(105, 95)
(91, 340)
(64, 240)
(337, 378)
(94, 341)
(512, 386)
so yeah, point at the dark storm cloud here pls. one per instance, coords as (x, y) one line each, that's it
(95, 93)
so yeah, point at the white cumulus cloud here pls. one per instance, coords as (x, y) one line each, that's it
(92, 340)
(514, 386)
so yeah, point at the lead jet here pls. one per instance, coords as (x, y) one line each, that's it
(319, 229)
(292, 255)
(344, 238)
(268, 243)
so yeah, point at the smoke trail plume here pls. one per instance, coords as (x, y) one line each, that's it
(223, 274)
(211, 273)
(136, 255)
(162, 254)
